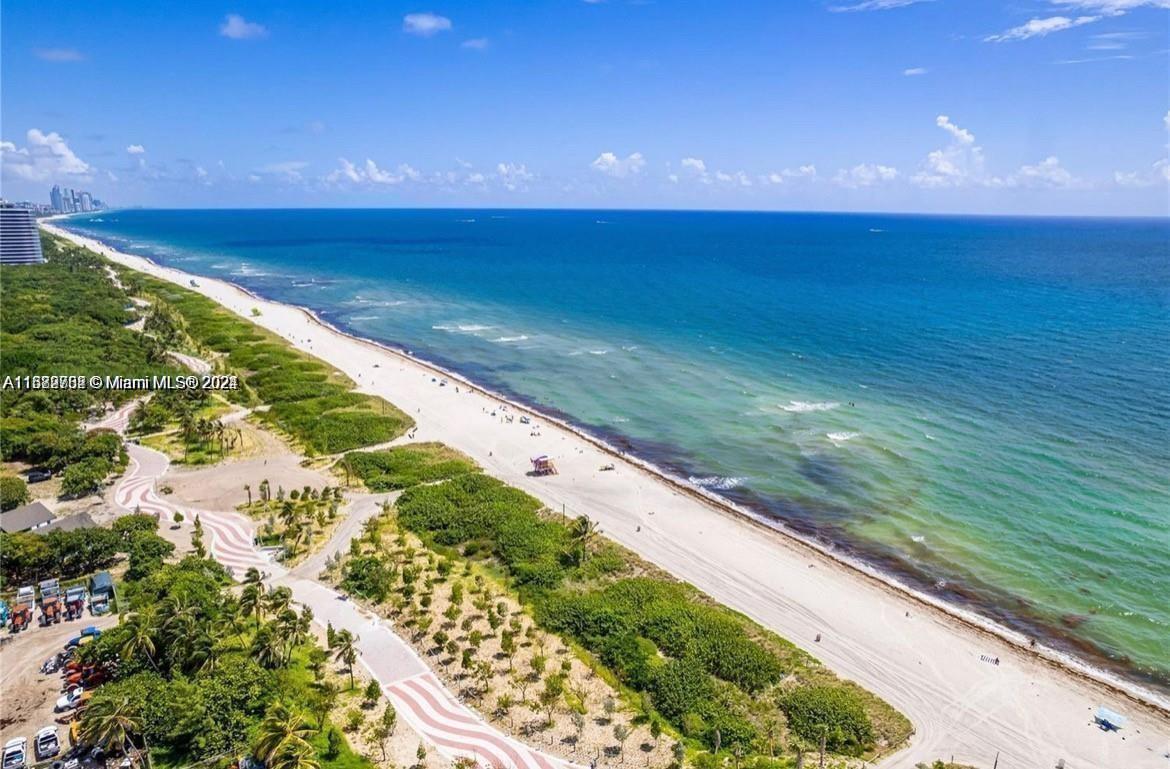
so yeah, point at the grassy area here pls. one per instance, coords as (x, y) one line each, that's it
(309, 401)
(401, 467)
(721, 682)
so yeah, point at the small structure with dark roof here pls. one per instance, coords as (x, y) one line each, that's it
(69, 523)
(32, 516)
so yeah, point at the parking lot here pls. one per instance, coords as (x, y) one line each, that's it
(26, 695)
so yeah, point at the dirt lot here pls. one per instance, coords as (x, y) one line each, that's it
(221, 487)
(26, 696)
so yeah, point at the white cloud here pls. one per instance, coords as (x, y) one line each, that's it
(695, 164)
(288, 170)
(962, 135)
(514, 176)
(915, 71)
(874, 5)
(808, 171)
(59, 55)
(959, 163)
(371, 173)
(1040, 28)
(611, 164)
(46, 157)
(237, 27)
(136, 149)
(475, 44)
(1111, 7)
(1112, 41)
(1092, 10)
(475, 178)
(1159, 173)
(1047, 173)
(425, 24)
(738, 178)
(865, 175)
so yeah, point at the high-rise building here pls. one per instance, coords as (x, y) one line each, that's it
(86, 202)
(55, 199)
(20, 241)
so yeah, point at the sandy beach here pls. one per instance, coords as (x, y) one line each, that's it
(1031, 709)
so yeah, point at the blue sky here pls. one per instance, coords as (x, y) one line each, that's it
(995, 106)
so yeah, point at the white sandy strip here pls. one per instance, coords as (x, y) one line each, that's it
(1030, 709)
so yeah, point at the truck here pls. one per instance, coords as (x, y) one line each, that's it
(75, 602)
(50, 588)
(22, 609)
(50, 602)
(50, 610)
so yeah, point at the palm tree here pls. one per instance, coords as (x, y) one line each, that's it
(583, 531)
(253, 576)
(299, 757)
(140, 639)
(112, 723)
(345, 651)
(288, 624)
(278, 599)
(268, 647)
(203, 653)
(252, 601)
(283, 735)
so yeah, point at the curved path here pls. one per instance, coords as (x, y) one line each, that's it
(416, 693)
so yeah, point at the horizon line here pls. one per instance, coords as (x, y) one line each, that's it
(824, 212)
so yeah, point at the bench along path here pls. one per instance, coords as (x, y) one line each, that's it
(416, 693)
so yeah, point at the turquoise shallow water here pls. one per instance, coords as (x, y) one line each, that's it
(978, 404)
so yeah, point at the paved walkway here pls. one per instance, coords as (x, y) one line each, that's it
(418, 696)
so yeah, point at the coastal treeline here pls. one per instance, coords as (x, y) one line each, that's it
(306, 399)
(720, 682)
(30, 557)
(66, 317)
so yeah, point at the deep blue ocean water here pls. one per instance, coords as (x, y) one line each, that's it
(980, 404)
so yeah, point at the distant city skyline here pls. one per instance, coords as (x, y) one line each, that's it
(1057, 107)
(65, 200)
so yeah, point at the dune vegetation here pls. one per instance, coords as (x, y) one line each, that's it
(725, 687)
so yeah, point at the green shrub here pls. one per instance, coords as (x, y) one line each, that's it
(84, 477)
(369, 577)
(13, 492)
(401, 467)
(834, 712)
(680, 686)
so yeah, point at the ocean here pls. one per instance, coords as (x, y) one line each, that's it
(980, 406)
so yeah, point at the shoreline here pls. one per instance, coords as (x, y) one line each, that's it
(738, 517)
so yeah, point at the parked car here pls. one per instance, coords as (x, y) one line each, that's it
(39, 475)
(16, 753)
(83, 639)
(92, 630)
(45, 744)
(69, 699)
